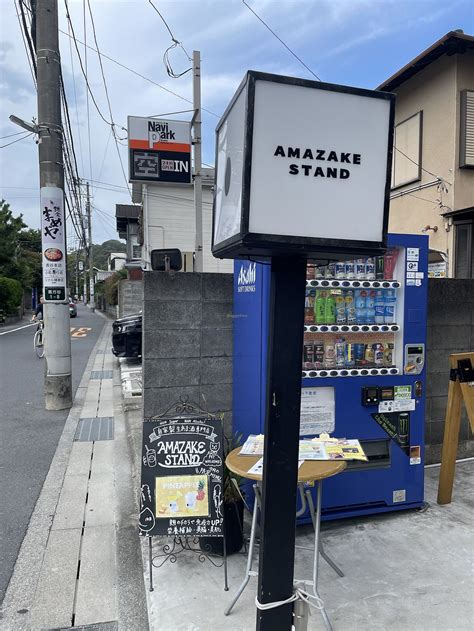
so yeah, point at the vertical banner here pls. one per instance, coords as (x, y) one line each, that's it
(53, 244)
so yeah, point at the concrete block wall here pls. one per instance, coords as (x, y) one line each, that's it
(450, 330)
(130, 296)
(187, 341)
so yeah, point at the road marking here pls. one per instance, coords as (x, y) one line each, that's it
(81, 331)
(18, 329)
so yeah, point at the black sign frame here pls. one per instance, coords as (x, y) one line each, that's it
(248, 245)
(162, 175)
(182, 479)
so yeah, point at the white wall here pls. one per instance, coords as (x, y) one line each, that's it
(170, 222)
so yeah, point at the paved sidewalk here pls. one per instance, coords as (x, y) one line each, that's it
(70, 571)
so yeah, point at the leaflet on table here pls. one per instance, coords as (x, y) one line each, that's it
(257, 468)
(345, 450)
(308, 450)
(253, 446)
(325, 448)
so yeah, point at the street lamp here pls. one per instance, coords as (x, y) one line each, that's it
(32, 127)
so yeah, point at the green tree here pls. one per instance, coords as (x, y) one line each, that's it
(102, 251)
(10, 294)
(10, 230)
(30, 256)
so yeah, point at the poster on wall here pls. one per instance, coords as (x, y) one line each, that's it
(53, 244)
(182, 477)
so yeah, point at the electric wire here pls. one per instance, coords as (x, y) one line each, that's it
(75, 101)
(28, 134)
(87, 82)
(115, 188)
(84, 72)
(27, 34)
(108, 98)
(23, 37)
(419, 165)
(138, 74)
(281, 41)
(11, 136)
(175, 44)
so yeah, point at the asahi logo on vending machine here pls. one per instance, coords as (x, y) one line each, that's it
(246, 281)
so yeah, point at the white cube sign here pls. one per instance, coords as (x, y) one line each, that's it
(302, 168)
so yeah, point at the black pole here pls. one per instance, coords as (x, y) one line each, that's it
(282, 424)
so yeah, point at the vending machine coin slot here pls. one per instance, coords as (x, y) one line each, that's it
(414, 359)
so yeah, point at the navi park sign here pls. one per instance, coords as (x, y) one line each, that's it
(159, 150)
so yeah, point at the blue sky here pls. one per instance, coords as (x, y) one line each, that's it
(352, 42)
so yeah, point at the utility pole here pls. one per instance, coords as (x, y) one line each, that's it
(57, 374)
(91, 253)
(197, 144)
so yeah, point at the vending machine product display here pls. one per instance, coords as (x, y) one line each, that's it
(363, 368)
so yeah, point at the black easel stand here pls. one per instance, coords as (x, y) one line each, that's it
(282, 422)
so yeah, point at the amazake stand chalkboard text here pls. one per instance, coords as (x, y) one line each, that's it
(182, 489)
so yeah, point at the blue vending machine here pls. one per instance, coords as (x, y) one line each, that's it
(363, 369)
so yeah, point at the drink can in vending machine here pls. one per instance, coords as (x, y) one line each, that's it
(340, 309)
(350, 307)
(339, 348)
(403, 427)
(318, 355)
(369, 354)
(359, 354)
(329, 356)
(388, 355)
(310, 271)
(340, 269)
(349, 355)
(379, 267)
(319, 272)
(360, 269)
(370, 268)
(308, 356)
(378, 354)
(330, 271)
(350, 269)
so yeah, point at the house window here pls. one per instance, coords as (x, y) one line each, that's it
(466, 130)
(464, 255)
(406, 162)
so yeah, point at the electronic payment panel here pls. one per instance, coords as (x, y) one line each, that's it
(363, 369)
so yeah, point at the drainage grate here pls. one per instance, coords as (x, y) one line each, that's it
(98, 428)
(100, 626)
(102, 374)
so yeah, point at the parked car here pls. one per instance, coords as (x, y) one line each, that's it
(127, 336)
(72, 309)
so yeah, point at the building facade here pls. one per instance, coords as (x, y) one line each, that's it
(169, 222)
(433, 161)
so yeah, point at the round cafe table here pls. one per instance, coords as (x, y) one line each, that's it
(309, 471)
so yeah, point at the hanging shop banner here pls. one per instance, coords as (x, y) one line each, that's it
(53, 244)
(303, 167)
(182, 488)
(159, 150)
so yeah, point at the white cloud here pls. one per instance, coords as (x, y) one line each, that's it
(327, 34)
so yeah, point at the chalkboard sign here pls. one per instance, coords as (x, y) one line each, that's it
(182, 477)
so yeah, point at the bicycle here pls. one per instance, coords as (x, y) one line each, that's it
(38, 340)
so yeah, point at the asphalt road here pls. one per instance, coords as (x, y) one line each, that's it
(28, 433)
